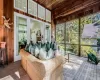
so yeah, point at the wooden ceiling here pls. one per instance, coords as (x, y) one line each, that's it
(50, 4)
(61, 8)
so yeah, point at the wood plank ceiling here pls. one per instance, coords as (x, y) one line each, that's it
(66, 7)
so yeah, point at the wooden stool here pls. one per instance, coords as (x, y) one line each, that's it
(3, 55)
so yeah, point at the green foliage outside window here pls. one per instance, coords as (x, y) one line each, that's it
(72, 35)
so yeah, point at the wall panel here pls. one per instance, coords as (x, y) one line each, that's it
(8, 13)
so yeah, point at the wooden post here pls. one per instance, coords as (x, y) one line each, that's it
(79, 37)
(53, 27)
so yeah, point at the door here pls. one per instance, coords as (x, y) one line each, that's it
(20, 33)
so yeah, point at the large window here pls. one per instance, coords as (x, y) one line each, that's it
(71, 34)
(67, 36)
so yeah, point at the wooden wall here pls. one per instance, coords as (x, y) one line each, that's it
(1, 19)
(9, 33)
(1, 12)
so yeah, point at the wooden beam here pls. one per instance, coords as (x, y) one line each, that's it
(53, 26)
(54, 2)
(64, 4)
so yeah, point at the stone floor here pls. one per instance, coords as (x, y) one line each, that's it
(77, 69)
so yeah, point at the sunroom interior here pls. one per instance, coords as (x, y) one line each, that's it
(49, 40)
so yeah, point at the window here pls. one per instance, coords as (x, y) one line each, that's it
(21, 29)
(60, 33)
(21, 5)
(48, 15)
(72, 36)
(72, 30)
(60, 37)
(32, 7)
(41, 12)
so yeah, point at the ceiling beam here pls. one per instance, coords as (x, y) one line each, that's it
(63, 4)
(76, 8)
(54, 2)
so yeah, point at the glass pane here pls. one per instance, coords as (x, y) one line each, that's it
(32, 7)
(72, 31)
(22, 35)
(41, 12)
(60, 33)
(21, 32)
(21, 5)
(22, 27)
(48, 15)
(47, 33)
(73, 49)
(22, 21)
(86, 49)
(24, 5)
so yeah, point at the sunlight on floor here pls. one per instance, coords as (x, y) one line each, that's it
(10, 77)
(17, 74)
(80, 61)
(71, 66)
(7, 78)
(68, 66)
